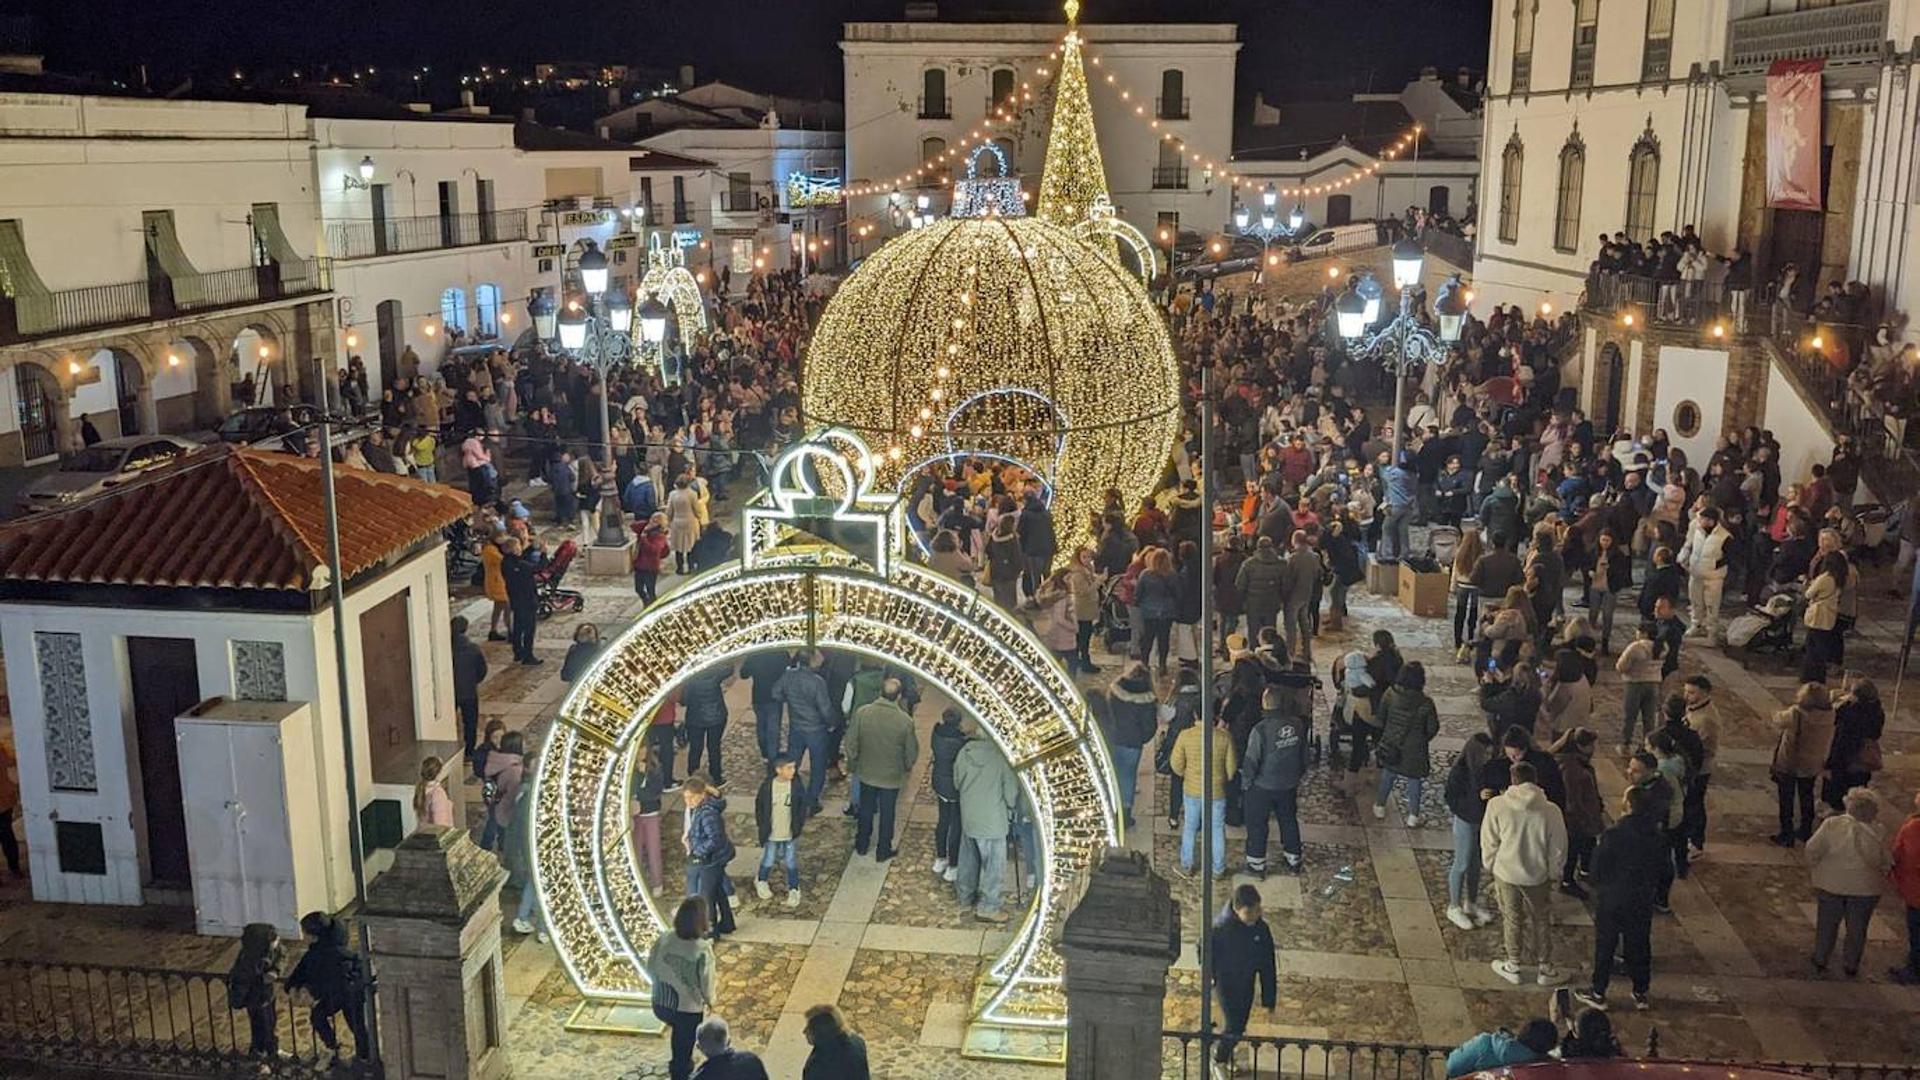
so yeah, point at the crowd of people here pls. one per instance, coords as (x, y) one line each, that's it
(1547, 524)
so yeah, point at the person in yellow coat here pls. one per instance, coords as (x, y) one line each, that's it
(1187, 762)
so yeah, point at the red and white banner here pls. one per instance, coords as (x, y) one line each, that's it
(1793, 134)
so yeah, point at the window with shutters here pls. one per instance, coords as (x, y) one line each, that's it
(1656, 58)
(1643, 186)
(1511, 162)
(1573, 174)
(1523, 16)
(1586, 36)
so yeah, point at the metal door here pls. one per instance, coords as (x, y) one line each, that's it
(39, 431)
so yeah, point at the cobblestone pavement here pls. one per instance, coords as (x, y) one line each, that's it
(1365, 949)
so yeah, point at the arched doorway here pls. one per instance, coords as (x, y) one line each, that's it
(822, 569)
(1439, 196)
(1339, 210)
(259, 370)
(194, 367)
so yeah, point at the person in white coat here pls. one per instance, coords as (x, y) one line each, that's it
(1523, 845)
(1703, 557)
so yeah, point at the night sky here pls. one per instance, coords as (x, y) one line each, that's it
(1298, 48)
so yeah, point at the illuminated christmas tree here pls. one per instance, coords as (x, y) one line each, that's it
(1074, 176)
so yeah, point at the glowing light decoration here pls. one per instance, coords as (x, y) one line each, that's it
(822, 569)
(1103, 228)
(988, 196)
(1074, 175)
(668, 278)
(804, 189)
(1021, 341)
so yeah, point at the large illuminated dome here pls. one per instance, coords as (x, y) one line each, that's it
(1006, 336)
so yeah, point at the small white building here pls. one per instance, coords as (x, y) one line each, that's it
(918, 87)
(207, 579)
(770, 199)
(1309, 144)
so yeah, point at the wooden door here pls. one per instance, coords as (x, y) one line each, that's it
(1339, 210)
(386, 318)
(1613, 368)
(386, 665)
(166, 682)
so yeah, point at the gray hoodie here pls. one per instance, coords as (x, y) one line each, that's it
(1276, 752)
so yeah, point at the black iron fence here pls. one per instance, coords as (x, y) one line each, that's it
(429, 232)
(89, 1017)
(1170, 177)
(1267, 1057)
(36, 315)
(1170, 108)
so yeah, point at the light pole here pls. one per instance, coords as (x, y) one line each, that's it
(595, 330)
(1405, 344)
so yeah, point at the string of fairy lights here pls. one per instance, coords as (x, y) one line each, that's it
(1007, 111)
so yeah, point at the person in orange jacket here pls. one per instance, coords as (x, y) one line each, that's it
(1905, 876)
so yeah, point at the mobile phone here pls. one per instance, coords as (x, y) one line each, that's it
(1563, 1001)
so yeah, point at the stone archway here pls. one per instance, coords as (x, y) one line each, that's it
(192, 385)
(259, 366)
(795, 590)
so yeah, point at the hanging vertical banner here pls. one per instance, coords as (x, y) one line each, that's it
(1793, 134)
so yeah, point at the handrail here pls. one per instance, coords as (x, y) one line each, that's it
(155, 1021)
(96, 307)
(365, 238)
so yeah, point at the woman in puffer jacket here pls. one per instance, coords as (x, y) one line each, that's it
(1130, 717)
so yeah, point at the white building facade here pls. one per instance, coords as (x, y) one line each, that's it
(1646, 116)
(768, 201)
(915, 89)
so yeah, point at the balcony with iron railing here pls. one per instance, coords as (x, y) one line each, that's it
(739, 202)
(1581, 75)
(97, 307)
(682, 212)
(372, 238)
(1170, 178)
(936, 108)
(1170, 108)
(1843, 33)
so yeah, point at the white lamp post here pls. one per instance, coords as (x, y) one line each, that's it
(1296, 217)
(1350, 310)
(619, 311)
(1270, 197)
(573, 326)
(541, 310)
(653, 321)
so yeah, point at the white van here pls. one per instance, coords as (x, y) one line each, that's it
(1335, 239)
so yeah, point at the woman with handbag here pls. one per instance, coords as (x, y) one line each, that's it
(682, 969)
(1858, 719)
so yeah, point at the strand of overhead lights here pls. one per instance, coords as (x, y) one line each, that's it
(1406, 141)
(1004, 111)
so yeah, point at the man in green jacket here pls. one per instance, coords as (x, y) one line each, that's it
(881, 747)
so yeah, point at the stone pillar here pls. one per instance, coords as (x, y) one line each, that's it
(1118, 944)
(435, 921)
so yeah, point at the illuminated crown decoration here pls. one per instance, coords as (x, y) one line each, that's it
(989, 196)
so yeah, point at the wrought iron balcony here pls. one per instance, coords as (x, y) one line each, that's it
(1845, 33)
(1522, 73)
(1170, 177)
(936, 108)
(1170, 108)
(96, 307)
(369, 238)
(739, 202)
(1656, 60)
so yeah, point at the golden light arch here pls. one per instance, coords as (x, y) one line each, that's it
(823, 567)
(1104, 227)
(668, 278)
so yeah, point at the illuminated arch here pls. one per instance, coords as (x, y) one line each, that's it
(1103, 224)
(668, 278)
(822, 569)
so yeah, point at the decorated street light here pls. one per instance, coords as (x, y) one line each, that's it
(1369, 290)
(653, 317)
(619, 312)
(1450, 308)
(541, 310)
(1270, 197)
(1408, 261)
(573, 326)
(1296, 217)
(1350, 311)
(593, 270)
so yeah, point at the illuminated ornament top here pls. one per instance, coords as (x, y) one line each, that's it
(1001, 339)
(989, 196)
(1074, 175)
(668, 278)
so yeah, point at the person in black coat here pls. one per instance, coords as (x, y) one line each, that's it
(947, 739)
(703, 715)
(1663, 579)
(1241, 946)
(1625, 876)
(331, 973)
(517, 569)
(838, 1054)
(1038, 541)
(469, 671)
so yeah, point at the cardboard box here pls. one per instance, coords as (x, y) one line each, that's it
(1423, 593)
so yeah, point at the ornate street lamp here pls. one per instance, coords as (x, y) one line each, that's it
(541, 310)
(653, 317)
(593, 270)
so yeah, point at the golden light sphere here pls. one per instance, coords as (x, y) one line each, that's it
(1027, 344)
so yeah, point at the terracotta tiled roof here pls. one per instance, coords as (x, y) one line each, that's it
(226, 517)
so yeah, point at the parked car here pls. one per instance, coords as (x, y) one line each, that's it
(1335, 239)
(104, 465)
(260, 426)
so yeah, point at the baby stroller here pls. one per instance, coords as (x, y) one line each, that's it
(547, 580)
(1768, 627)
(1116, 628)
(462, 564)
